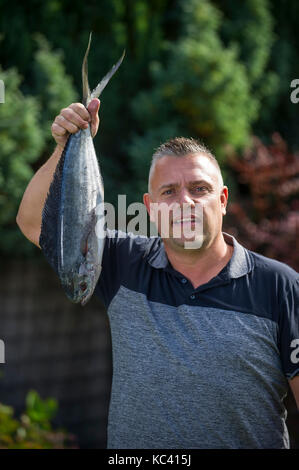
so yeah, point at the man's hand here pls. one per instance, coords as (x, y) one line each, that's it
(73, 118)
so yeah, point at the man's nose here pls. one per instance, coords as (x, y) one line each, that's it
(185, 197)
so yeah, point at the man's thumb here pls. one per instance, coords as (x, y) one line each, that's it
(93, 107)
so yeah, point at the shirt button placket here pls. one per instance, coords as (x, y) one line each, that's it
(184, 282)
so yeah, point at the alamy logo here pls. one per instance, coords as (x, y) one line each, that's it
(2, 352)
(295, 93)
(2, 91)
(181, 222)
(295, 353)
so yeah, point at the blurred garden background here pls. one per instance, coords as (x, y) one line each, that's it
(220, 71)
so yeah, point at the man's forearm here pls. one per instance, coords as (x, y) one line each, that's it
(29, 216)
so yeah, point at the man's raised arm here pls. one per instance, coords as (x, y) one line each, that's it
(69, 121)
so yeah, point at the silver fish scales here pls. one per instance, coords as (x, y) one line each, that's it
(72, 233)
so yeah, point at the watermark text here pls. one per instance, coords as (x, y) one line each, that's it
(2, 91)
(182, 223)
(295, 93)
(2, 352)
(295, 353)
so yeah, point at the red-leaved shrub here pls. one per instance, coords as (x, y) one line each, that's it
(266, 218)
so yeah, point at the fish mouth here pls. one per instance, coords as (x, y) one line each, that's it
(85, 299)
(79, 297)
(77, 290)
(83, 291)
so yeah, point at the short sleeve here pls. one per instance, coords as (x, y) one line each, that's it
(121, 253)
(289, 330)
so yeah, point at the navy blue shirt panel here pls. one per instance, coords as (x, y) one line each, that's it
(250, 283)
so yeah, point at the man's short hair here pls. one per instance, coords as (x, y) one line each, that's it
(180, 147)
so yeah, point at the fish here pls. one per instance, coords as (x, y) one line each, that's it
(73, 222)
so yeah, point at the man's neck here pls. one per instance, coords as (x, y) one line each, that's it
(201, 265)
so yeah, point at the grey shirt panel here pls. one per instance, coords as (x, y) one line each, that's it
(197, 368)
(193, 378)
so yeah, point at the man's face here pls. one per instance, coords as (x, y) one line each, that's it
(194, 200)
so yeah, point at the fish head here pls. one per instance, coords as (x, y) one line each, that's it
(79, 286)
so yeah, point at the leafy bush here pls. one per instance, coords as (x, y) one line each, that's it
(33, 430)
(203, 90)
(53, 88)
(25, 135)
(21, 143)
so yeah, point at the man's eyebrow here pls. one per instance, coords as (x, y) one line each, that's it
(209, 183)
(190, 183)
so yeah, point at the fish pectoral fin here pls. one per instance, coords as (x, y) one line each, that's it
(84, 246)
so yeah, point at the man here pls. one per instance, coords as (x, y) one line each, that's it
(205, 339)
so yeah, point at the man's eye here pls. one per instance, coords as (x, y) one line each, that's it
(200, 189)
(167, 192)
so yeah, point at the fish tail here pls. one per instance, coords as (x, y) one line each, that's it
(100, 87)
(85, 84)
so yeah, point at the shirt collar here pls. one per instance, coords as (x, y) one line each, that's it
(239, 264)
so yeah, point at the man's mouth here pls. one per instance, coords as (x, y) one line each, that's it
(186, 220)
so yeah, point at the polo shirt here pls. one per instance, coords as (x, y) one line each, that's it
(197, 368)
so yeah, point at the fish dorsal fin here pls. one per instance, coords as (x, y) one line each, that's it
(50, 227)
(85, 84)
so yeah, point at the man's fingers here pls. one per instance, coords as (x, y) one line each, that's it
(68, 125)
(58, 130)
(76, 117)
(80, 109)
(69, 115)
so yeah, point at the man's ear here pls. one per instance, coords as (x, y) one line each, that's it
(147, 200)
(223, 199)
